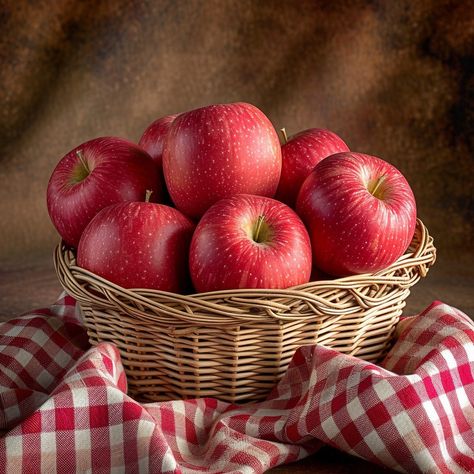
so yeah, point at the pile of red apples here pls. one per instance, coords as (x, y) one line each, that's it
(210, 200)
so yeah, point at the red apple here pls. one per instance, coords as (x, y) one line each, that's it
(300, 154)
(94, 175)
(138, 245)
(249, 241)
(153, 138)
(360, 212)
(218, 151)
(152, 141)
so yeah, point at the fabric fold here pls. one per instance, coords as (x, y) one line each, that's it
(64, 407)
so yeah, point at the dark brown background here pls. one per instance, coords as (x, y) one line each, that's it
(393, 78)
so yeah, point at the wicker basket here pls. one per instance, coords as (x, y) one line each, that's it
(235, 345)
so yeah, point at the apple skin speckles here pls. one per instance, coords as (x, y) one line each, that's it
(153, 140)
(300, 154)
(224, 254)
(218, 151)
(118, 171)
(352, 230)
(138, 245)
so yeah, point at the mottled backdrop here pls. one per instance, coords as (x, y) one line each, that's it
(393, 78)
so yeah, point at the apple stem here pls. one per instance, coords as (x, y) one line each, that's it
(284, 135)
(377, 184)
(148, 194)
(83, 161)
(258, 227)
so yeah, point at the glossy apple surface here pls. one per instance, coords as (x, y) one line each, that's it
(300, 154)
(218, 151)
(94, 175)
(249, 242)
(152, 141)
(360, 212)
(138, 245)
(153, 138)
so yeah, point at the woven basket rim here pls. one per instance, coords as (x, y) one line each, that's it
(420, 255)
(171, 344)
(411, 257)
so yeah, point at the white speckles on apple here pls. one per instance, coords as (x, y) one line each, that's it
(242, 155)
(147, 246)
(360, 233)
(224, 256)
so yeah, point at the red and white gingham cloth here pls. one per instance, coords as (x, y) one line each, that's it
(64, 408)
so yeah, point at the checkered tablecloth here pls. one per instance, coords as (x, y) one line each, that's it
(64, 407)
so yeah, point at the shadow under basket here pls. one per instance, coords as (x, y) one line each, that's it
(236, 345)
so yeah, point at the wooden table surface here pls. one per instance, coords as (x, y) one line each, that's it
(31, 283)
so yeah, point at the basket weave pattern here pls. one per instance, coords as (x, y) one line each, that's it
(235, 345)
